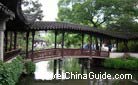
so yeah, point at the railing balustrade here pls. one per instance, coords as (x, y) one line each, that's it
(54, 53)
(11, 54)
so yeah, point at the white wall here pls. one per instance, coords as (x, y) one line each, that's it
(115, 55)
(118, 55)
(134, 55)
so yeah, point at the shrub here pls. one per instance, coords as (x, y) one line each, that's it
(29, 67)
(118, 63)
(108, 63)
(130, 64)
(113, 63)
(10, 72)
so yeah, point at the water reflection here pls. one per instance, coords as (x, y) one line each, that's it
(44, 74)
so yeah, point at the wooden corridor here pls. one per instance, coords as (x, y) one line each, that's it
(48, 54)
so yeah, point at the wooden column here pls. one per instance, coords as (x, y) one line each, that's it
(55, 40)
(27, 42)
(101, 40)
(62, 53)
(96, 42)
(109, 46)
(6, 41)
(10, 41)
(82, 43)
(15, 39)
(33, 35)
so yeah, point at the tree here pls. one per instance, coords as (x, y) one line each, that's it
(82, 12)
(97, 13)
(32, 10)
(117, 14)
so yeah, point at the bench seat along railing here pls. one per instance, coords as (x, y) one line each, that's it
(11, 54)
(53, 53)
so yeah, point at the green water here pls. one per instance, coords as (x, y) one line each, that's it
(44, 75)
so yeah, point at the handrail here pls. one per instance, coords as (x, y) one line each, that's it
(54, 53)
(11, 54)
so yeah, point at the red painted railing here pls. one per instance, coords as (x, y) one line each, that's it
(57, 53)
(11, 54)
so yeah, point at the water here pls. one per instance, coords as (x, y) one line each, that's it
(44, 74)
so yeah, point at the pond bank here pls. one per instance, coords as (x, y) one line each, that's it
(32, 80)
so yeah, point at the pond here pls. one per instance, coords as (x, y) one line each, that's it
(44, 75)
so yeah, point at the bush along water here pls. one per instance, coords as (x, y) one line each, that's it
(29, 67)
(10, 72)
(129, 63)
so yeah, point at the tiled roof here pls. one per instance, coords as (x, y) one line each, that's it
(5, 10)
(43, 25)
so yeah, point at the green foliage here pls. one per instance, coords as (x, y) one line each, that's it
(108, 63)
(114, 14)
(131, 64)
(133, 46)
(121, 47)
(118, 63)
(10, 72)
(113, 63)
(32, 9)
(29, 67)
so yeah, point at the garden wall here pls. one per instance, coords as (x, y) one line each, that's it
(120, 54)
